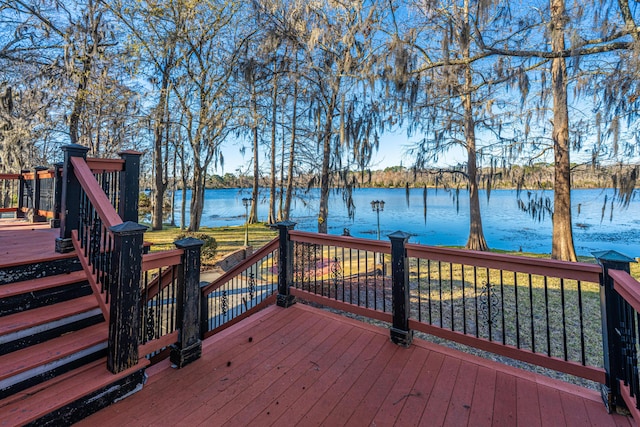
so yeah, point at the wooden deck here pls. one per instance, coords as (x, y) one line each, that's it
(22, 242)
(305, 366)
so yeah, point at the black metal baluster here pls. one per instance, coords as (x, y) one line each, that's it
(489, 306)
(504, 333)
(515, 290)
(475, 290)
(440, 290)
(453, 319)
(581, 314)
(564, 320)
(533, 333)
(419, 293)
(429, 289)
(546, 309)
(464, 301)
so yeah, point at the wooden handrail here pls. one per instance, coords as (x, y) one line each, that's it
(342, 241)
(521, 264)
(161, 259)
(627, 287)
(10, 176)
(105, 165)
(239, 268)
(99, 199)
(46, 174)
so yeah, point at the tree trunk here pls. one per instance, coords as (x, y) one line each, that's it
(184, 180)
(158, 131)
(562, 239)
(326, 162)
(80, 100)
(197, 197)
(272, 190)
(476, 240)
(292, 149)
(253, 215)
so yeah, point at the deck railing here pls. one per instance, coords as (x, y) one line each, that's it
(241, 291)
(32, 194)
(9, 192)
(554, 314)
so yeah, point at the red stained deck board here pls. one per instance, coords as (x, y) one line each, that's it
(483, 398)
(289, 386)
(597, 417)
(528, 405)
(212, 368)
(227, 383)
(402, 390)
(575, 412)
(436, 409)
(41, 315)
(358, 391)
(422, 389)
(339, 392)
(381, 388)
(307, 409)
(462, 397)
(256, 395)
(505, 402)
(57, 348)
(41, 283)
(22, 243)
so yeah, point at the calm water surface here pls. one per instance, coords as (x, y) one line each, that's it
(447, 222)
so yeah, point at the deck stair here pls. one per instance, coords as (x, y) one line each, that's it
(53, 347)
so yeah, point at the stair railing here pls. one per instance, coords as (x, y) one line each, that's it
(149, 300)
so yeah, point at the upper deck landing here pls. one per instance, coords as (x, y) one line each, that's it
(22, 242)
(304, 366)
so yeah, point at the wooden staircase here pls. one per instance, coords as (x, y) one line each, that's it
(53, 346)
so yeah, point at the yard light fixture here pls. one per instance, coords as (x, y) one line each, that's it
(246, 201)
(378, 206)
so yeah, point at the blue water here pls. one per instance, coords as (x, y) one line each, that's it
(505, 225)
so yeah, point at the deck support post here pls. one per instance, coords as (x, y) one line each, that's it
(129, 186)
(70, 205)
(23, 187)
(400, 332)
(124, 311)
(189, 346)
(57, 195)
(36, 195)
(285, 265)
(611, 308)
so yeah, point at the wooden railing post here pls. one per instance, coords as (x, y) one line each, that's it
(37, 194)
(400, 332)
(70, 204)
(610, 306)
(57, 195)
(23, 187)
(124, 311)
(129, 186)
(285, 265)
(189, 346)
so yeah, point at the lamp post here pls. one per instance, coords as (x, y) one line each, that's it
(378, 206)
(246, 201)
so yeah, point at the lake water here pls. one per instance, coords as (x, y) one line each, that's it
(505, 225)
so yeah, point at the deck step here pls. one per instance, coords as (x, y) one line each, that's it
(39, 284)
(41, 292)
(72, 396)
(26, 367)
(31, 327)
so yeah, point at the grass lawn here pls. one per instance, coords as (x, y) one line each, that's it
(228, 238)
